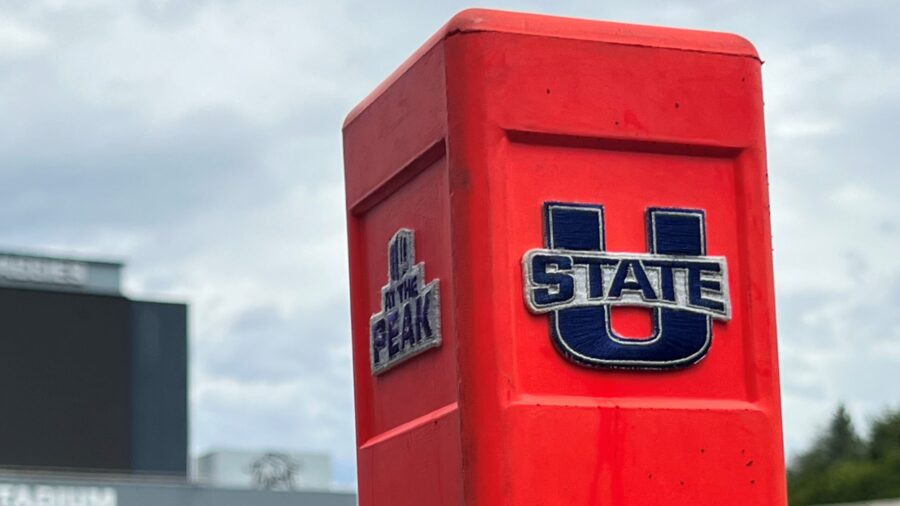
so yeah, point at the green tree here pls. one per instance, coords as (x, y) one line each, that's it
(839, 442)
(885, 437)
(842, 467)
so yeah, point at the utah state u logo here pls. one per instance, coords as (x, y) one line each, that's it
(577, 282)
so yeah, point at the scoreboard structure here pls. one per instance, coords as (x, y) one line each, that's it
(561, 272)
(92, 381)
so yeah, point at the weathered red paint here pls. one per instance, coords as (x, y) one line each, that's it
(496, 114)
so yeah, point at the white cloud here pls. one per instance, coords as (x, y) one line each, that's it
(261, 59)
(812, 127)
(18, 40)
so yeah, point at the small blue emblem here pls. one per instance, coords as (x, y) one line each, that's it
(410, 318)
(577, 282)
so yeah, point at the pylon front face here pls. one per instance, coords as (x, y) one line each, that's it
(592, 321)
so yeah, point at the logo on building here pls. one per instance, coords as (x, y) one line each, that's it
(577, 282)
(410, 318)
(274, 471)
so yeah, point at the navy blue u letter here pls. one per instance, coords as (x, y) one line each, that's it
(585, 335)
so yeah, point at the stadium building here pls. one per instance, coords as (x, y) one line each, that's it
(95, 408)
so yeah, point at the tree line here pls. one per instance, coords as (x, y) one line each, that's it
(842, 466)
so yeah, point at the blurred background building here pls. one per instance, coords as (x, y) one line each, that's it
(94, 389)
(271, 470)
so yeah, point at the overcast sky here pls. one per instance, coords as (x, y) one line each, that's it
(199, 141)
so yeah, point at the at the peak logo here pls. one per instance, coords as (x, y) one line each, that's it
(410, 318)
(577, 283)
